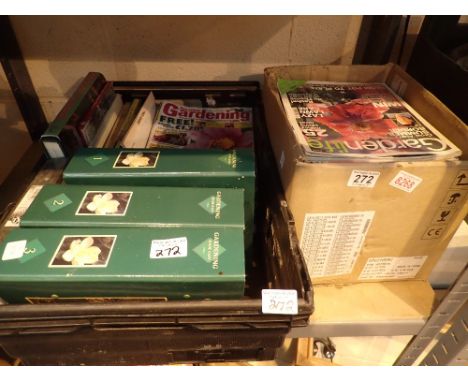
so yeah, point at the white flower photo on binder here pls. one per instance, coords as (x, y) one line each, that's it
(136, 160)
(83, 251)
(103, 204)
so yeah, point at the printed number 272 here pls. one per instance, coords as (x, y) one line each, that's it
(281, 306)
(167, 252)
(363, 179)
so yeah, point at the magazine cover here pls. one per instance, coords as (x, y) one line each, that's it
(339, 121)
(182, 126)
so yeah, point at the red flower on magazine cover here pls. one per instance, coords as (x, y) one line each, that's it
(357, 119)
(220, 138)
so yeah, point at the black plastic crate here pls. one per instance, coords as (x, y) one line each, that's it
(131, 333)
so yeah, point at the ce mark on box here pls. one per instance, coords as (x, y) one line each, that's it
(433, 232)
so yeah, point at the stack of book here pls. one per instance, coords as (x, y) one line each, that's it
(170, 168)
(96, 116)
(101, 243)
(139, 216)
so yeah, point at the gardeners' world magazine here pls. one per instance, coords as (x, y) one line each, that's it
(336, 121)
(181, 126)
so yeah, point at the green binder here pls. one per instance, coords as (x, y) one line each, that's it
(130, 206)
(53, 265)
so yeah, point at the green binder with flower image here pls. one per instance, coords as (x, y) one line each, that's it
(133, 206)
(43, 265)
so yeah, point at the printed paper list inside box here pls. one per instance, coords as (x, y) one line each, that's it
(331, 242)
(392, 267)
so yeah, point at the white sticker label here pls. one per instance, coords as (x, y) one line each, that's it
(363, 178)
(14, 250)
(405, 181)
(23, 205)
(392, 267)
(279, 301)
(331, 242)
(169, 248)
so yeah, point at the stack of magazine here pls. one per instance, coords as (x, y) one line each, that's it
(187, 124)
(336, 121)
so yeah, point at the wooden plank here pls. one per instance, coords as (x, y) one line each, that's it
(370, 302)
(391, 308)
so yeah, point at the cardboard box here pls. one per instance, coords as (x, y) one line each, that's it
(52, 264)
(357, 234)
(130, 206)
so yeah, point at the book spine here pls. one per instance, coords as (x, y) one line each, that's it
(108, 122)
(88, 125)
(59, 138)
(138, 134)
(112, 138)
(132, 113)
